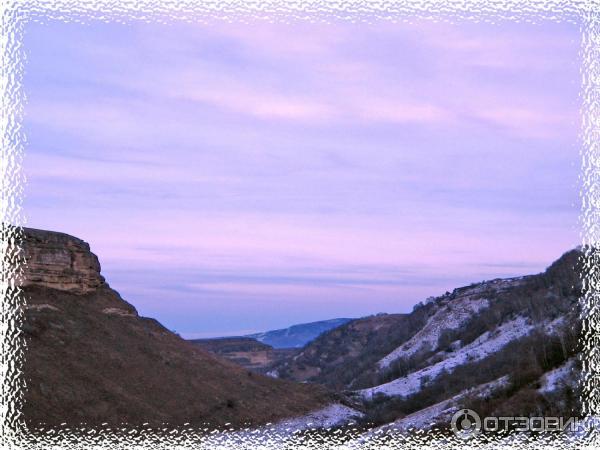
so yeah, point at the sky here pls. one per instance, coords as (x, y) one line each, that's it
(238, 178)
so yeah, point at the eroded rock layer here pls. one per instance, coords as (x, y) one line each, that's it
(59, 261)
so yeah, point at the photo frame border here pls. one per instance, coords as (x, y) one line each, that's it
(14, 16)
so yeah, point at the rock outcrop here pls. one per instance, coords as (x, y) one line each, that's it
(60, 261)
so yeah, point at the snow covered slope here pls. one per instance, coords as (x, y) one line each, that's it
(488, 343)
(448, 318)
(412, 366)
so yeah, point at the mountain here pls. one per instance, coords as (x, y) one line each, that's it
(90, 357)
(505, 346)
(246, 351)
(299, 335)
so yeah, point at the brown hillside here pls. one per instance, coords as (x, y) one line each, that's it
(246, 352)
(90, 358)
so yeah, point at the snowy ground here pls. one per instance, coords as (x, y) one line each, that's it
(426, 418)
(442, 411)
(281, 434)
(448, 317)
(555, 378)
(333, 415)
(554, 326)
(484, 345)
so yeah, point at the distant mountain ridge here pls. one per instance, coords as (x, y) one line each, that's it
(299, 335)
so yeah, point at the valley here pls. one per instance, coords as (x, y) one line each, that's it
(491, 345)
(505, 346)
(91, 358)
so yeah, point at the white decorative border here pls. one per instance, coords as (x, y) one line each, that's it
(14, 14)
(590, 211)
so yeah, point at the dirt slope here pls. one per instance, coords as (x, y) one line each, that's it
(92, 359)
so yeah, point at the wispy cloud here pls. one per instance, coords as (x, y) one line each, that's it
(357, 167)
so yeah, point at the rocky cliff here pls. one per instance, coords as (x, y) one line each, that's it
(90, 358)
(59, 261)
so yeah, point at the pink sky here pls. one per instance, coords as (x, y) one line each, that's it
(237, 178)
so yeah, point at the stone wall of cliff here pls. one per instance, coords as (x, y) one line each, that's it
(59, 261)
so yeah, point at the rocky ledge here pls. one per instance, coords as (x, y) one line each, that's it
(60, 261)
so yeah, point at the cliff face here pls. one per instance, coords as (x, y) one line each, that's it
(59, 261)
(90, 358)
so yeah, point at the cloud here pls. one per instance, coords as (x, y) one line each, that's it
(306, 74)
(362, 168)
(535, 123)
(264, 105)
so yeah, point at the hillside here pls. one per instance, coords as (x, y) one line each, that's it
(91, 358)
(232, 344)
(246, 352)
(500, 347)
(345, 357)
(298, 335)
(499, 337)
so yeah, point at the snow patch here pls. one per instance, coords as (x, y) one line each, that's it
(333, 415)
(448, 317)
(554, 379)
(554, 326)
(281, 434)
(443, 411)
(484, 345)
